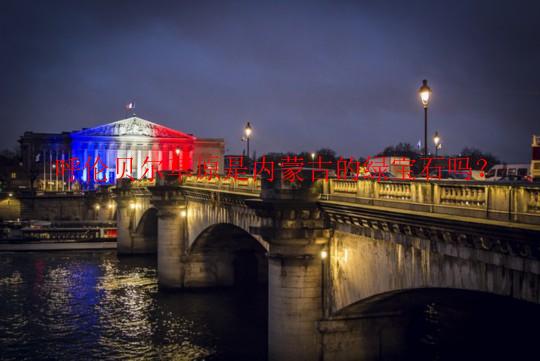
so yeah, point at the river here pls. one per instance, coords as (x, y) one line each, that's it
(92, 305)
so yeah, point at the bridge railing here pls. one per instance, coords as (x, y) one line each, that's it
(514, 202)
(223, 183)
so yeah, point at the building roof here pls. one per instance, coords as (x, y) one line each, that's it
(133, 126)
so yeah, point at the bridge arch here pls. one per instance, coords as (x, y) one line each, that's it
(224, 254)
(145, 234)
(203, 214)
(148, 223)
(432, 323)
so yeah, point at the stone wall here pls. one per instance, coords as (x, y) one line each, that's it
(369, 337)
(56, 208)
(10, 209)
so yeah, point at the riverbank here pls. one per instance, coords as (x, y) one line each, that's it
(54, 246)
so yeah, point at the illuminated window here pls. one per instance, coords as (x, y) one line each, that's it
(13, 175)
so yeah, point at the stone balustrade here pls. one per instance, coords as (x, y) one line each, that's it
(248, 185)
(514, 202)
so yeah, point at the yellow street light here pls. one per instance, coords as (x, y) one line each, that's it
(425, 95)
(247, 131)
(437, 142)
(436, 139)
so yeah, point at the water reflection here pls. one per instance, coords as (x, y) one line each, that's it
(90, 305)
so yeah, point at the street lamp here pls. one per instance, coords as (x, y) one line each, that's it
(437, 142)
(425, 94)
(313, 156)
(324, 256)
(247, 132)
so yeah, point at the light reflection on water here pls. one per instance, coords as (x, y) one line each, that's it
(89, 305)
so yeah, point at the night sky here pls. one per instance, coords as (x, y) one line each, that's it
(338, 74)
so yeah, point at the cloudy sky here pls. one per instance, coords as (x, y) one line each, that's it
(307, 74)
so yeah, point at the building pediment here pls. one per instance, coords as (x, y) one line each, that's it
(133, 126)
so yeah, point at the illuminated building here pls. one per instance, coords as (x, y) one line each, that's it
(131, 147)
(535, 158)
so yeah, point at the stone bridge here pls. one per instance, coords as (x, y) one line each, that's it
(331, 251)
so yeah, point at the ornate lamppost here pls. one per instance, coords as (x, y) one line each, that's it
(425, 94)
(247, 133)
(437, 142)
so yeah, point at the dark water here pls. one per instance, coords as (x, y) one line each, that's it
(439, 324)
(463, 325)
(90, 305)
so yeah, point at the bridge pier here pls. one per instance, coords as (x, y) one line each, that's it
(171, 247)
(172, 235)
(131, 204)
(124, 225)
(297, 234)
(294, 303)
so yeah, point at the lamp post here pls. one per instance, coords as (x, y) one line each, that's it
(324, 256)
(437, 142)
(313, 156)
(425, 94)
(247, 132)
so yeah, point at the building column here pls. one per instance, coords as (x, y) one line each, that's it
(64, 170)
(55, 167)
(139, 161)
(85, 172)
(186, 157)
(172, 232)
(49, 183)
